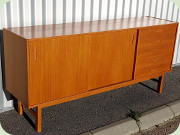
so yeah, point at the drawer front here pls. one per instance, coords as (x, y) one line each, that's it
(154, 31)
(145, 61)
(152, 69)
(155, 50)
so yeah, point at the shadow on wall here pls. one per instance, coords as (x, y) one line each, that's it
(7, 94)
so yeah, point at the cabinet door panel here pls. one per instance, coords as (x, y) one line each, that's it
(112, 58)
(58, 68)
(69, 65)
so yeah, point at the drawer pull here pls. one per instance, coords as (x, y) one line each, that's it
(158, 41)
(160, 31)
(156, 51)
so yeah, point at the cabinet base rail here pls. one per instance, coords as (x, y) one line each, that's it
(37, 112)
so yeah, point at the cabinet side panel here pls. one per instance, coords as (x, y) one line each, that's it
(15, 51)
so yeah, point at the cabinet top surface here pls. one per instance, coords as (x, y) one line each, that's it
(44, 31)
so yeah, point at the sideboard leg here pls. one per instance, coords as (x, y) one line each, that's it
(160, 83)
(20, 108)
(38, 119)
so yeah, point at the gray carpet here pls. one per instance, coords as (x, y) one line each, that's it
(79, 116)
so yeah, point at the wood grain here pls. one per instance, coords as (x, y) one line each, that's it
(111, 58)
(16, 76)
(46, 31)
(154, 51)
(163, 30)
(66, 66)
(97, 91)
(60, 68)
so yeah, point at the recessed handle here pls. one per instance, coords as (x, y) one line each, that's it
(35, 53)
(153, 70)
(133, 40)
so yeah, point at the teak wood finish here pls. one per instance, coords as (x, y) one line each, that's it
(67, 66)
(52, 64)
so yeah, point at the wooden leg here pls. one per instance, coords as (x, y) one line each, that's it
(38, 119)
(160, 84)
(20, 108)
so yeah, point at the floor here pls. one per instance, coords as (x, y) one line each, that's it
(79, 116)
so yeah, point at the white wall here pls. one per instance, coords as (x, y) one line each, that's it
(18, 13)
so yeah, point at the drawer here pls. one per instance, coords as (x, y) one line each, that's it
(152, 69)
(144, 62)
(156, 41)
(163, 30)
(156, 50)
(151, 60)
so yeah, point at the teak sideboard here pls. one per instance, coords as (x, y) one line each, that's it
(51, 64)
